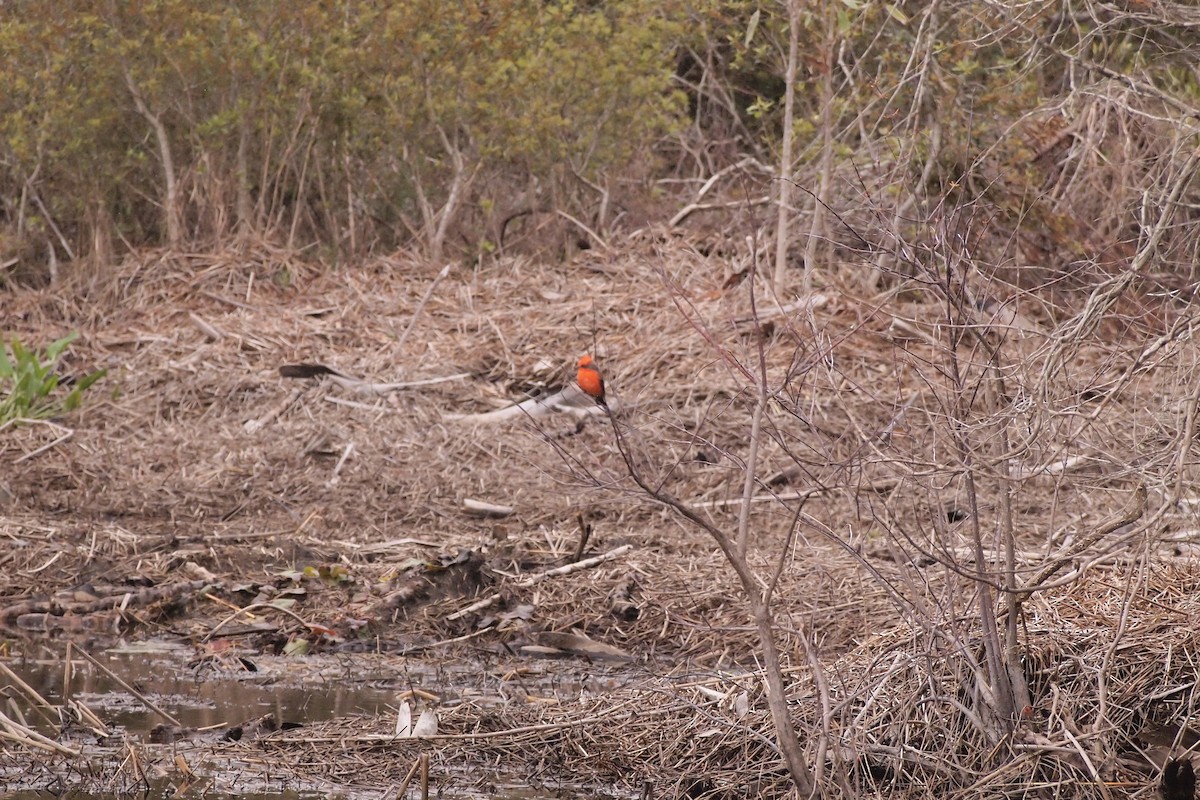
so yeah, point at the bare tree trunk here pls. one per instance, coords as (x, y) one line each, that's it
(101, 224)
(785, 731)
(171, 213)
(446, 214)
(351, 216)
(999, 697)
(783, 217)
(817, 234)
(758, 595)
(760, 406)
(1012, 644)
(245, 207)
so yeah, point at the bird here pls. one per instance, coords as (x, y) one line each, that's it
(588, 377)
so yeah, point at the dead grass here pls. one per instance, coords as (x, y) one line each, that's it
(195, 451)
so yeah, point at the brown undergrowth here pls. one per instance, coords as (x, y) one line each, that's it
(195, 458)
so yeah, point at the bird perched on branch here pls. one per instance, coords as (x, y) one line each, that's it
(588, 377)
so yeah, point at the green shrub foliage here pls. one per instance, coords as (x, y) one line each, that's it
(29, 386)
(348, 123)
(359, 124)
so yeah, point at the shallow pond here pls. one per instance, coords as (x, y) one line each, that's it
(207, 698)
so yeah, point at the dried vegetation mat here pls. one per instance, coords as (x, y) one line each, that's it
(1112, 706)
(368, 501)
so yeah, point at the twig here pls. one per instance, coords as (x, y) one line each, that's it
(146, 701)
(337, 469)
(533, 580)
(696, 205)
(884, 485)
(595, 236)
(585, 533)
(16, 732)
(250, 609)
(39, 703)
(407, 779)
(256, 425)
(417, 648)
(421, 307)
(807, 304)
(207, 328)
(1133, 510)
(69, 433)
(687, 210)
(53, 225)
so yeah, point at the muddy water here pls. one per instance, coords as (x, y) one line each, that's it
(203, 695)
(195, 694)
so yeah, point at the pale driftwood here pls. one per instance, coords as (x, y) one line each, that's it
(365, 387)
(478, 508)
(533, 580)
(534, 407)
(580, 644)
(568, 399)
(207, 328)
(809, 302)
(1052, 467)
(802, 494)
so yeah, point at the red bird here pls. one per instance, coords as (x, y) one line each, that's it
(589, 379)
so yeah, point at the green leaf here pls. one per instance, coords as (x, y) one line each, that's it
(86, 381)
(895, 13)
(56, 348)
(296, 647)
(20, 354)
(752, 27)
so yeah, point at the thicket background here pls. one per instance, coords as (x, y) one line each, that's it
(1016, 178)
(353, 127)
